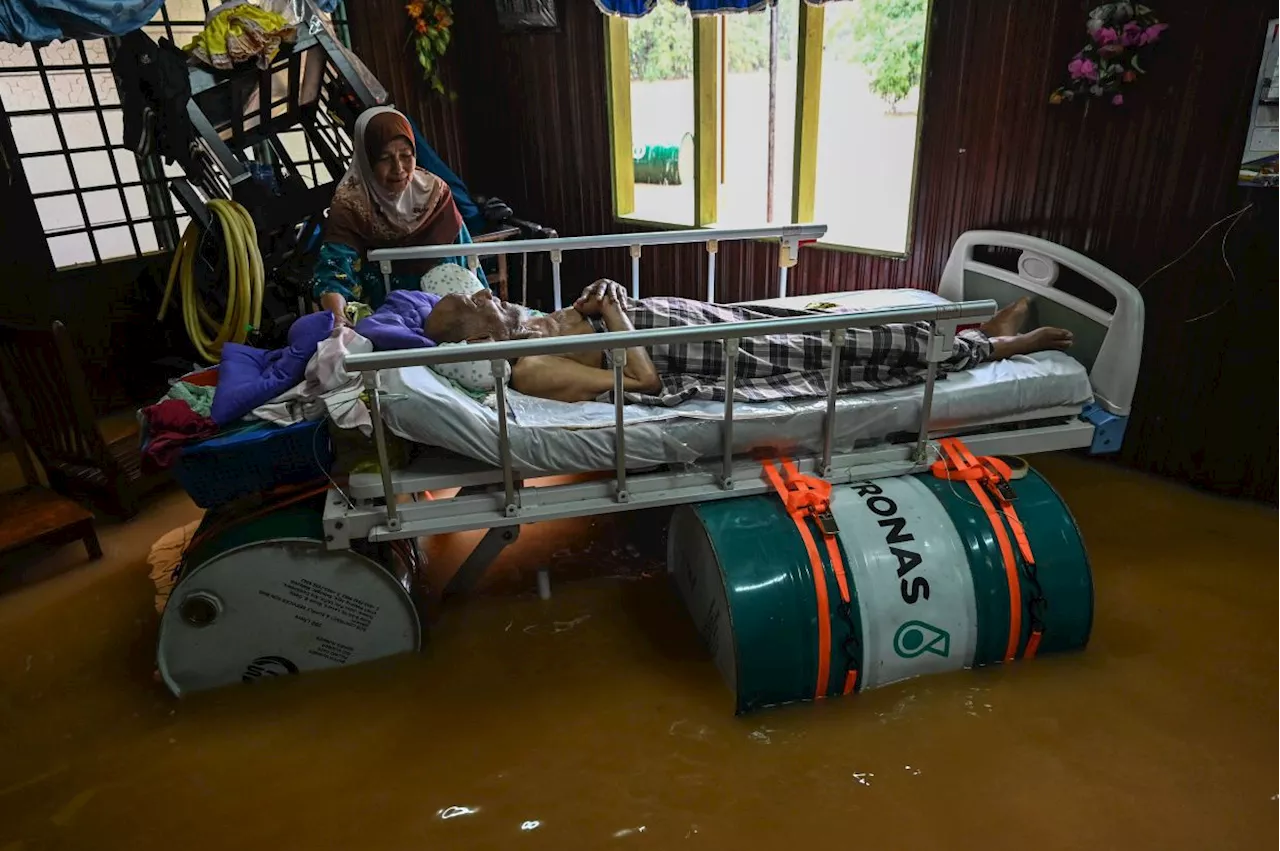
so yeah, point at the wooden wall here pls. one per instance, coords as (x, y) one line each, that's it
(1132, 187)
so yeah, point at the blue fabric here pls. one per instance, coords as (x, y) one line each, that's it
(430, 160)
(249, 377)
(398, 323)
(341, 269)
(640, 8)
(43, 21)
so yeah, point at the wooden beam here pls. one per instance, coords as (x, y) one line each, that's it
(618, 70)
(706, 143)
(808, 99)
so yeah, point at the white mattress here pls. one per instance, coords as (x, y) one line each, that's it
(557, 437)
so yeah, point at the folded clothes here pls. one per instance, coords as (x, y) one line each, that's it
(236, 32)
(198, 397)
(170, 424)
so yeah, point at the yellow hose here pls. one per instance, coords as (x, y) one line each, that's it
(245, 282)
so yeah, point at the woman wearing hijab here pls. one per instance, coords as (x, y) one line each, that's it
(383, 201)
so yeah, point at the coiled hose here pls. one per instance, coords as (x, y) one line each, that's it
(245, 282)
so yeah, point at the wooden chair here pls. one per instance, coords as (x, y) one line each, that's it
(33, 514)
(41, 376)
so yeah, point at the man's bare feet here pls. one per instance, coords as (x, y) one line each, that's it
(1009, 320)
(1039, 340)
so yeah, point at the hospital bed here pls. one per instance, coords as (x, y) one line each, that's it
(495, 451)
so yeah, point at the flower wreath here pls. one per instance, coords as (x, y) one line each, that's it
(1120, 34)
(429, 32)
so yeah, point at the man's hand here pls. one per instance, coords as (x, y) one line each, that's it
(602, 296)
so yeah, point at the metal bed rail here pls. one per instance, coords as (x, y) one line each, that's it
(789, 237)
(944, 320)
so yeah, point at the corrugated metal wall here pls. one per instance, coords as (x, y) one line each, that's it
(1132, 187)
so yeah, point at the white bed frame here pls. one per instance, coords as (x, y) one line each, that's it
(498, 499)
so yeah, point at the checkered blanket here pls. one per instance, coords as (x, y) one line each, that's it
(786, 366)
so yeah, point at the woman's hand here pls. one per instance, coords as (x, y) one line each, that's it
(337, 305)
(602, 296)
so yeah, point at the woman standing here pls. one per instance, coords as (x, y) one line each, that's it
(383, 201)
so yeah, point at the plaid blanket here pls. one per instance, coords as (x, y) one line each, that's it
(772, 367)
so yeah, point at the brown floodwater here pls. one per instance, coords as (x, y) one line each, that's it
(596, 720)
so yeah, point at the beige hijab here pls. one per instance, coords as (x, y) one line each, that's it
(364, 214)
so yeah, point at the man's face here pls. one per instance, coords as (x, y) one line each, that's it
(457, 317)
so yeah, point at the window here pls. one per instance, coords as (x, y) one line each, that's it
(90, 194)
(809, 114)
(96, 200)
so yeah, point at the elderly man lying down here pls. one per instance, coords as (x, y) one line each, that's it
(769, 366)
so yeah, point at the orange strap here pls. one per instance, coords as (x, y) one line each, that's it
(988, 478)
(804, 497)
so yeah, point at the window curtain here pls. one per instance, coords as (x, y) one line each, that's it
(640, 8)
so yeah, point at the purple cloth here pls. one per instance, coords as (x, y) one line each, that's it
(397, 324)
(249, 377)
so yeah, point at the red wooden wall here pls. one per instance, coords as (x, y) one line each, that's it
(1132, 187)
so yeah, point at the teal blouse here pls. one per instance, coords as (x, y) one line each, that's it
(342, 270)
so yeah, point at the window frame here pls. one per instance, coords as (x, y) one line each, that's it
(162, 212)
(708, 159)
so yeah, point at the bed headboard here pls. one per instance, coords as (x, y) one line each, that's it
(1107, 342)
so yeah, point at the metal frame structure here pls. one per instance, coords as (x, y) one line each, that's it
(304, 91)
(91, 63)
(500, 498)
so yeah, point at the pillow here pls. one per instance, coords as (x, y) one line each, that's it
(474, 376)
(397, 324)
(249, 377)
(449, 278)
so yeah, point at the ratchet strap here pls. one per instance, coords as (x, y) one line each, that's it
(989, 478)
(809, 498)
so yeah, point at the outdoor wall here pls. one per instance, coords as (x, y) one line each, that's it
(1132, 187)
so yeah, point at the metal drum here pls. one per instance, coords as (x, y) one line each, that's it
(664, 164)
(265, 598)
(927, 585)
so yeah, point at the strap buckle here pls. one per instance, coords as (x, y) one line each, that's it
(827, 523)
(803, 494)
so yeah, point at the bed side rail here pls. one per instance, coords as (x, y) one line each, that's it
(789, 237)
(1114, 368)
(943, 318)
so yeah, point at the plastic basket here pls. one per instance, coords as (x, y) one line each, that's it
(221, 469)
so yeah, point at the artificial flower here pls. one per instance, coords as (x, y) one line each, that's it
(1152, 33)
(1119, 37)
(1082, 68)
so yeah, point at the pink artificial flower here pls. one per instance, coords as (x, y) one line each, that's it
(1081, 67)
(1106, 35)
(1152, 33)
(1117, 100)
(1131, 35)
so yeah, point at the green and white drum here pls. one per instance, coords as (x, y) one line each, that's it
(927, 585)
(265, 598)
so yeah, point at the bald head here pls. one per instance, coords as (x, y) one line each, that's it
(457, 318)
